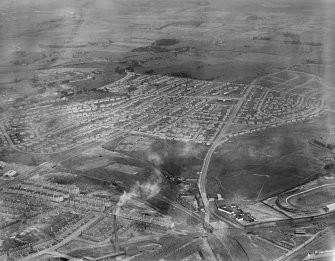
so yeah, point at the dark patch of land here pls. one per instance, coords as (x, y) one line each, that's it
(151, 48)
(179, 159)
(165, 42)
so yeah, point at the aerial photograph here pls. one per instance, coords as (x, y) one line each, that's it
(173, 130)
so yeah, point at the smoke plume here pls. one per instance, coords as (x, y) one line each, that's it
(144, 191)
(154, 158)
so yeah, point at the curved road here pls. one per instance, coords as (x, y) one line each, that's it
(222, 138)
(218, 141)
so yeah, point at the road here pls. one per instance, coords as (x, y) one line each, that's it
(218, 141)
(221, 138)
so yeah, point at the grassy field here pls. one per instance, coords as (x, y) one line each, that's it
(97, 164)
(257, 166)
(209, 40)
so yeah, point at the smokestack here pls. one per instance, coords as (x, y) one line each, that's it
(116, 243)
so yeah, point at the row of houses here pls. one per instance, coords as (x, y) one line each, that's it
(56, 197)
(70, 189)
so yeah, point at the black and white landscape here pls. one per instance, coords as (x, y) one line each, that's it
(167, 130)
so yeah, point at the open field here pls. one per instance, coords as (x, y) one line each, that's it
(93, 163)
(126, 169)
(214, 41)
(106, 166)
(271, 162)
(310, 199)
(262, 212)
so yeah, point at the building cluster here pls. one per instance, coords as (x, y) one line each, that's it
(249, 112)
(12, 209)
(42, 190)
(31, 191)
(217, 89)
(10, 174)
(290, 107)
(171, 86)
(9, 212)
(162, 106)
(279, 104)
(68, 126)
(18, 130)
(64, 225)
(100, 230)
(168, 100)
(191, 119)
(86, 202)
(71, 224)
(68, 189)
(268, 107)
(234, 210)
(27, 249)
(188, 129)
(163, 221)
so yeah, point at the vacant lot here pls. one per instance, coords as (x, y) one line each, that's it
(127, 169)
(257, 166)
